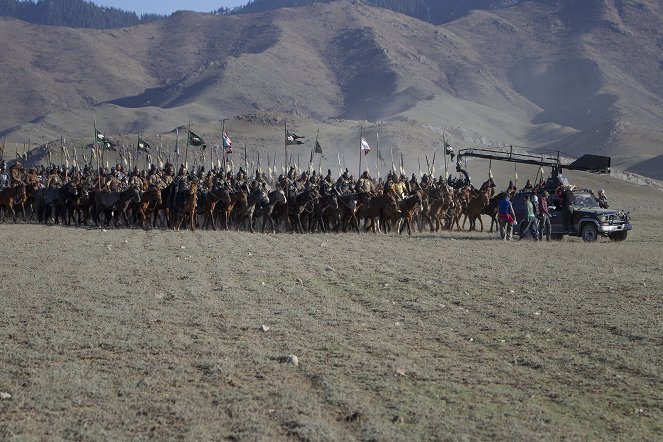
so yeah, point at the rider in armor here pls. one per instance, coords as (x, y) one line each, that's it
(365, 184)
(399, 187)
(4, 176)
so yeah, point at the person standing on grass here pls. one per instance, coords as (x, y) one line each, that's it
(531, 221)
(544, 217)
(568, 203)
(506, 216)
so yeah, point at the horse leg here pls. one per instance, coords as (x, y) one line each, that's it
(251, 222)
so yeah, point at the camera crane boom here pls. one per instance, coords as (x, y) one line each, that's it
(587, 163)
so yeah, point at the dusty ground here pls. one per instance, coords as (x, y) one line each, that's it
(129, 334)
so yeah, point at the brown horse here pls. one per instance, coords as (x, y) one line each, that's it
(208, 205)
(409, 207)
(438, 210)
(11, 196)
(227, 204)
(475, 207)
(189, 208)
(380, 210)
(150, 200)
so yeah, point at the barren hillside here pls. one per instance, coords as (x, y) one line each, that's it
(577, 77)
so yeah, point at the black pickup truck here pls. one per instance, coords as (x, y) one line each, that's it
(589, 220)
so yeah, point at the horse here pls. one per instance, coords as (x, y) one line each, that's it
(438, 209)
(277, 199)
(207, 205)
(348, 207)
(475, 207)
(322, 205)
(112, 204)
(78, 204)
(189, 208)
(303, 202)
(150, 200)
(384, 208)
(10, 196)
(408, 208)
(226, 205)
(244, 214)
(491, 210)
(56, 199)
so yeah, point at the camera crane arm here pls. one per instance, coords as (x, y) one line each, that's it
(587, 163)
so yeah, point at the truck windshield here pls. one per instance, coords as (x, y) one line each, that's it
(585, 200)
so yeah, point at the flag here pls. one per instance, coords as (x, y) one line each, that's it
(99, 137)
(177, 142)
(449, 150)
(227, 143)
(292, 138)
(317, 148)
(365, 147)
(195, 140)
(103, 139)
(142, 144)
(109, 145)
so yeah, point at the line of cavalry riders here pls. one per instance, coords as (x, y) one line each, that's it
(158, 198)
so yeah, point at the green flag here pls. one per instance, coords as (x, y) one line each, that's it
(143, 145)
(103, 139)
(293, 139)
(195, 140)
(109, 145)
(99, 137)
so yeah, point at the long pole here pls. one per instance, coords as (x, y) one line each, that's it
(446, 173)
(177, 147)
(223, 144)
(285, 128)
(361, 135)
(186, 152)
(94, 148)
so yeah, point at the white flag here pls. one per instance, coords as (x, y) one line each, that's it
(365, 147)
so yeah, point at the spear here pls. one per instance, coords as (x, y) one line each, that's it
(361, 135)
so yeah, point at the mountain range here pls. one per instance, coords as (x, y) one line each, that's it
(578, 77)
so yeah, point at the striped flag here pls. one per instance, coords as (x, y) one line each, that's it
(227, 143)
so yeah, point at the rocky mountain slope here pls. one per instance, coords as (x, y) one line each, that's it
(573, 76)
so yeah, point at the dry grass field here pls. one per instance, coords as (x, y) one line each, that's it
(128, 334)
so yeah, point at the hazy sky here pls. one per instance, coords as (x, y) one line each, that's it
(169, 6)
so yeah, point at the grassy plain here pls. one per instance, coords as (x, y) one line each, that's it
(127, 334)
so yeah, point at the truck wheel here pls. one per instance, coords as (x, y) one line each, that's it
(590, 233)
(619, 236)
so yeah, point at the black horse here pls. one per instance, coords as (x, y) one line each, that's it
(245, 213)
(53, 200)
(114, 204)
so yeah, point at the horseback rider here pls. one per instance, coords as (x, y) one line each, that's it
(16, 175)
(54, 179)
(325, 186)
(399, 188)
(4, 176)
(365, 184)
